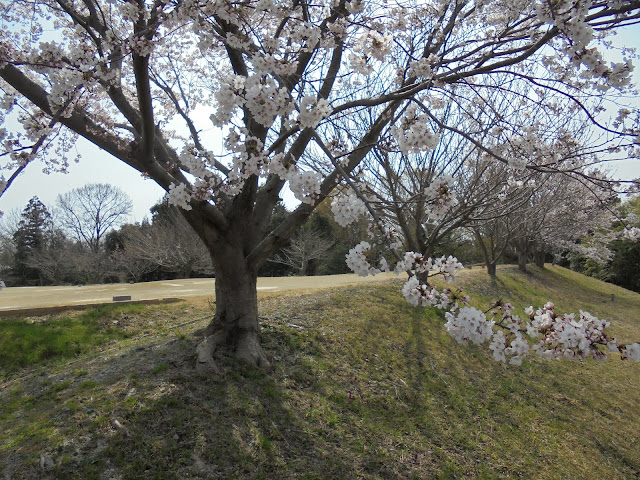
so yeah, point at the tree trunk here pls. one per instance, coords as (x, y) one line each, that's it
(234, 327)
(488, 261)
(491, 269)
(539, 258)
(522, 260)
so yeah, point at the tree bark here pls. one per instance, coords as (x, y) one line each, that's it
(235, 326)
(491, 269)
(539, 258)
(489, 260)
(522, 260)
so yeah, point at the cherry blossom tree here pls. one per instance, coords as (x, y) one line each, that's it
(302, 94)
(457, 184)
(559, 213)
(452, 187)
(492, 239)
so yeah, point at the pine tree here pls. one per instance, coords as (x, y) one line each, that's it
(31, 236)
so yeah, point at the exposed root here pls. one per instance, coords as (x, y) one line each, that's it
(250, 351)
(205, 363)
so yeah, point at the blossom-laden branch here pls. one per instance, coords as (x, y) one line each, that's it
(567, 336)
(23, 159)
(561, 336)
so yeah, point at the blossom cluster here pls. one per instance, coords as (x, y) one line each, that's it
(413, 134)
(306, 35)
(195, 161)
(533, 143)
(312, 111)
(631, 233)
(251, 159)
(561, 336)
(305, 185)
(446, 266)
(570, 19)
(272, 64)
(517, 348)
(346, 208)
(371, 45)
(423, 67)
(265, 99)
(415, 291)
(375, 44)
(228, 97)
(509, 341)
(469, 325)
(517, 163)
(179, 196)
(358, 262)
(420, 294)
(439, 197)
(567, 336)
(631, 351)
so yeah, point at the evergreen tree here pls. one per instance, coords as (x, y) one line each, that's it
(34, 229)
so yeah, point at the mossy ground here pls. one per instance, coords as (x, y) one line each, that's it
(363, 386)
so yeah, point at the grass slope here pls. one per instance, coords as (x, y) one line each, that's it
(364, 386)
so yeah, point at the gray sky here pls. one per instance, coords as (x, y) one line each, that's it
(99, 167)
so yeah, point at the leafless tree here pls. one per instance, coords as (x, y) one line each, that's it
(126, 261)
(306, 245)
(169, 243)
(89, 212)
(63, 261)
(8, 225)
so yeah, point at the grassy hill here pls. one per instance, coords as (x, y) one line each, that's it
(364, 386)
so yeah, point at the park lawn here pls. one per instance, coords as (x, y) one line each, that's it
(363, 386)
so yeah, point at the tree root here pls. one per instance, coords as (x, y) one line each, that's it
(248, 350)
(205, 364)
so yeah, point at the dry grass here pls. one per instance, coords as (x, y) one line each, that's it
(364, 386)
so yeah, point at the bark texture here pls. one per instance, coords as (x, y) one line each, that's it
(491, 269)
(522, 260)
(539, 258)
(235, 326)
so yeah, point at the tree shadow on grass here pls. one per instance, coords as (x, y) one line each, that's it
(363, 394)
(146, 413)
(415, 351)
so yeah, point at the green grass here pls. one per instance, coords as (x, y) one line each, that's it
(363, 386)
(26, 342)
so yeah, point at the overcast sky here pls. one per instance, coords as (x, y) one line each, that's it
(99, 167)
